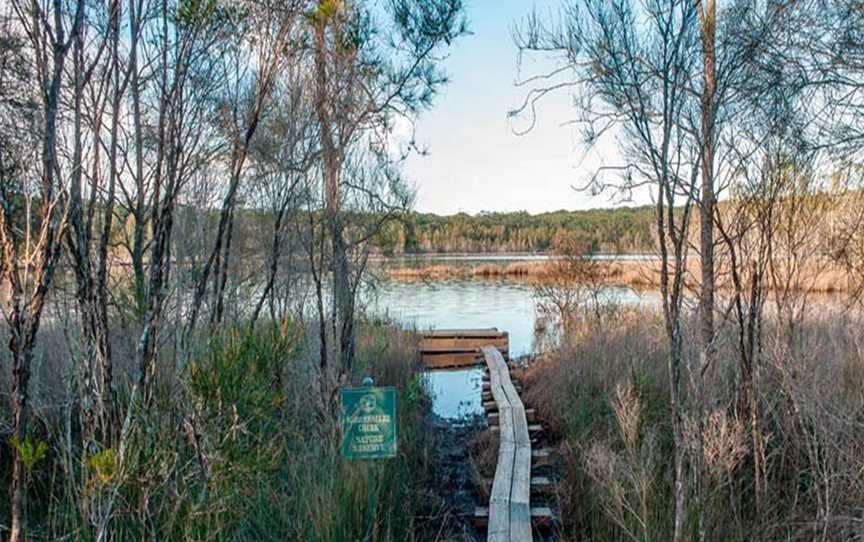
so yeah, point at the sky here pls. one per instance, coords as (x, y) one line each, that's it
(475, 161)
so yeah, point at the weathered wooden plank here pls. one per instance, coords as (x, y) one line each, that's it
(450, 360)
(492, 415)
(488, 332)
(487, 386)
(499, 499)
(457, 348)
(539, 484)
(540, 515)
(520, 522)
(439, 343)
(520, 491)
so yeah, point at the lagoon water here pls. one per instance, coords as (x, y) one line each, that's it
(464, 304)
(468, 303)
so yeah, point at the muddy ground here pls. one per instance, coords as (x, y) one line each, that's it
(452, 485)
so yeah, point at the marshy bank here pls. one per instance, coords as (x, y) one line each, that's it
(233, 447)
(639, 271)
(604, 392)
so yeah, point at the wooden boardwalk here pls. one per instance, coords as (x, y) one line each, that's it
(509, 517)
(510, 498)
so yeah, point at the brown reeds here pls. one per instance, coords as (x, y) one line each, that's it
(604, 393)
(816, 277)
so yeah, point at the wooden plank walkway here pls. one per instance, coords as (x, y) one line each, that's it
(510, 498)
(447, 348)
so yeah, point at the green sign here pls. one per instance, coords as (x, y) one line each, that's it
(368, 423)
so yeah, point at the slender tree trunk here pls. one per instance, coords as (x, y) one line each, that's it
(275, 253)
(707, 16)
(25, 315)
(138, 212)
(220, 254)
(222, 271)
(706, 297)
(20, 381)
(343, 316)
(344, 299)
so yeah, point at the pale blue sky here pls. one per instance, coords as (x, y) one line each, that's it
(476, 162)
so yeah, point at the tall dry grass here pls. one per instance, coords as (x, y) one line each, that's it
(604, 393)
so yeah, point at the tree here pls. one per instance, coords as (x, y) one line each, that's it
(572, 282)
(631, 69)
(266, 37)
(284, 156)
(368, 74)
(33, 211)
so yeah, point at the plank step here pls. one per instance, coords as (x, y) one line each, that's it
(541, 484)
(492, 417)
(532, 428)
(542, 453)
(540, 515)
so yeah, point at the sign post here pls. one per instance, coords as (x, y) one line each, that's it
(369, 423)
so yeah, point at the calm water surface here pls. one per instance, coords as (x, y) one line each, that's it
(443, 304)
(467, 303)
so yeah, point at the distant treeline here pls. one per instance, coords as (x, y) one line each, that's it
(620, 230)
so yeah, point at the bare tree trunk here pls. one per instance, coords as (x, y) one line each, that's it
(707, 18)
(222, 264)
(221, 252)
(343, 317)
(92, 288)
(138, 210)
(344, 299)
(20, 379)
(706, 210)
(25, 314)
(275, 254)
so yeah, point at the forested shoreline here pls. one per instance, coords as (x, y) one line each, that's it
(622, 230)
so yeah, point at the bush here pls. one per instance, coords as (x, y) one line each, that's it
(233, 449)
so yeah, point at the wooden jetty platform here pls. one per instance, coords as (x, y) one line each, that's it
(451, 348)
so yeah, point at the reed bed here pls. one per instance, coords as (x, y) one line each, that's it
(815, 277)
(604, 394)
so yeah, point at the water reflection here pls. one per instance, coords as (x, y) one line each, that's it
(465, 304)
(455, 392)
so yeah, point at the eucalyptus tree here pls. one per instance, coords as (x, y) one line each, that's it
(100, 80)
(373, 65)
(268, 39)
(188, 74)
